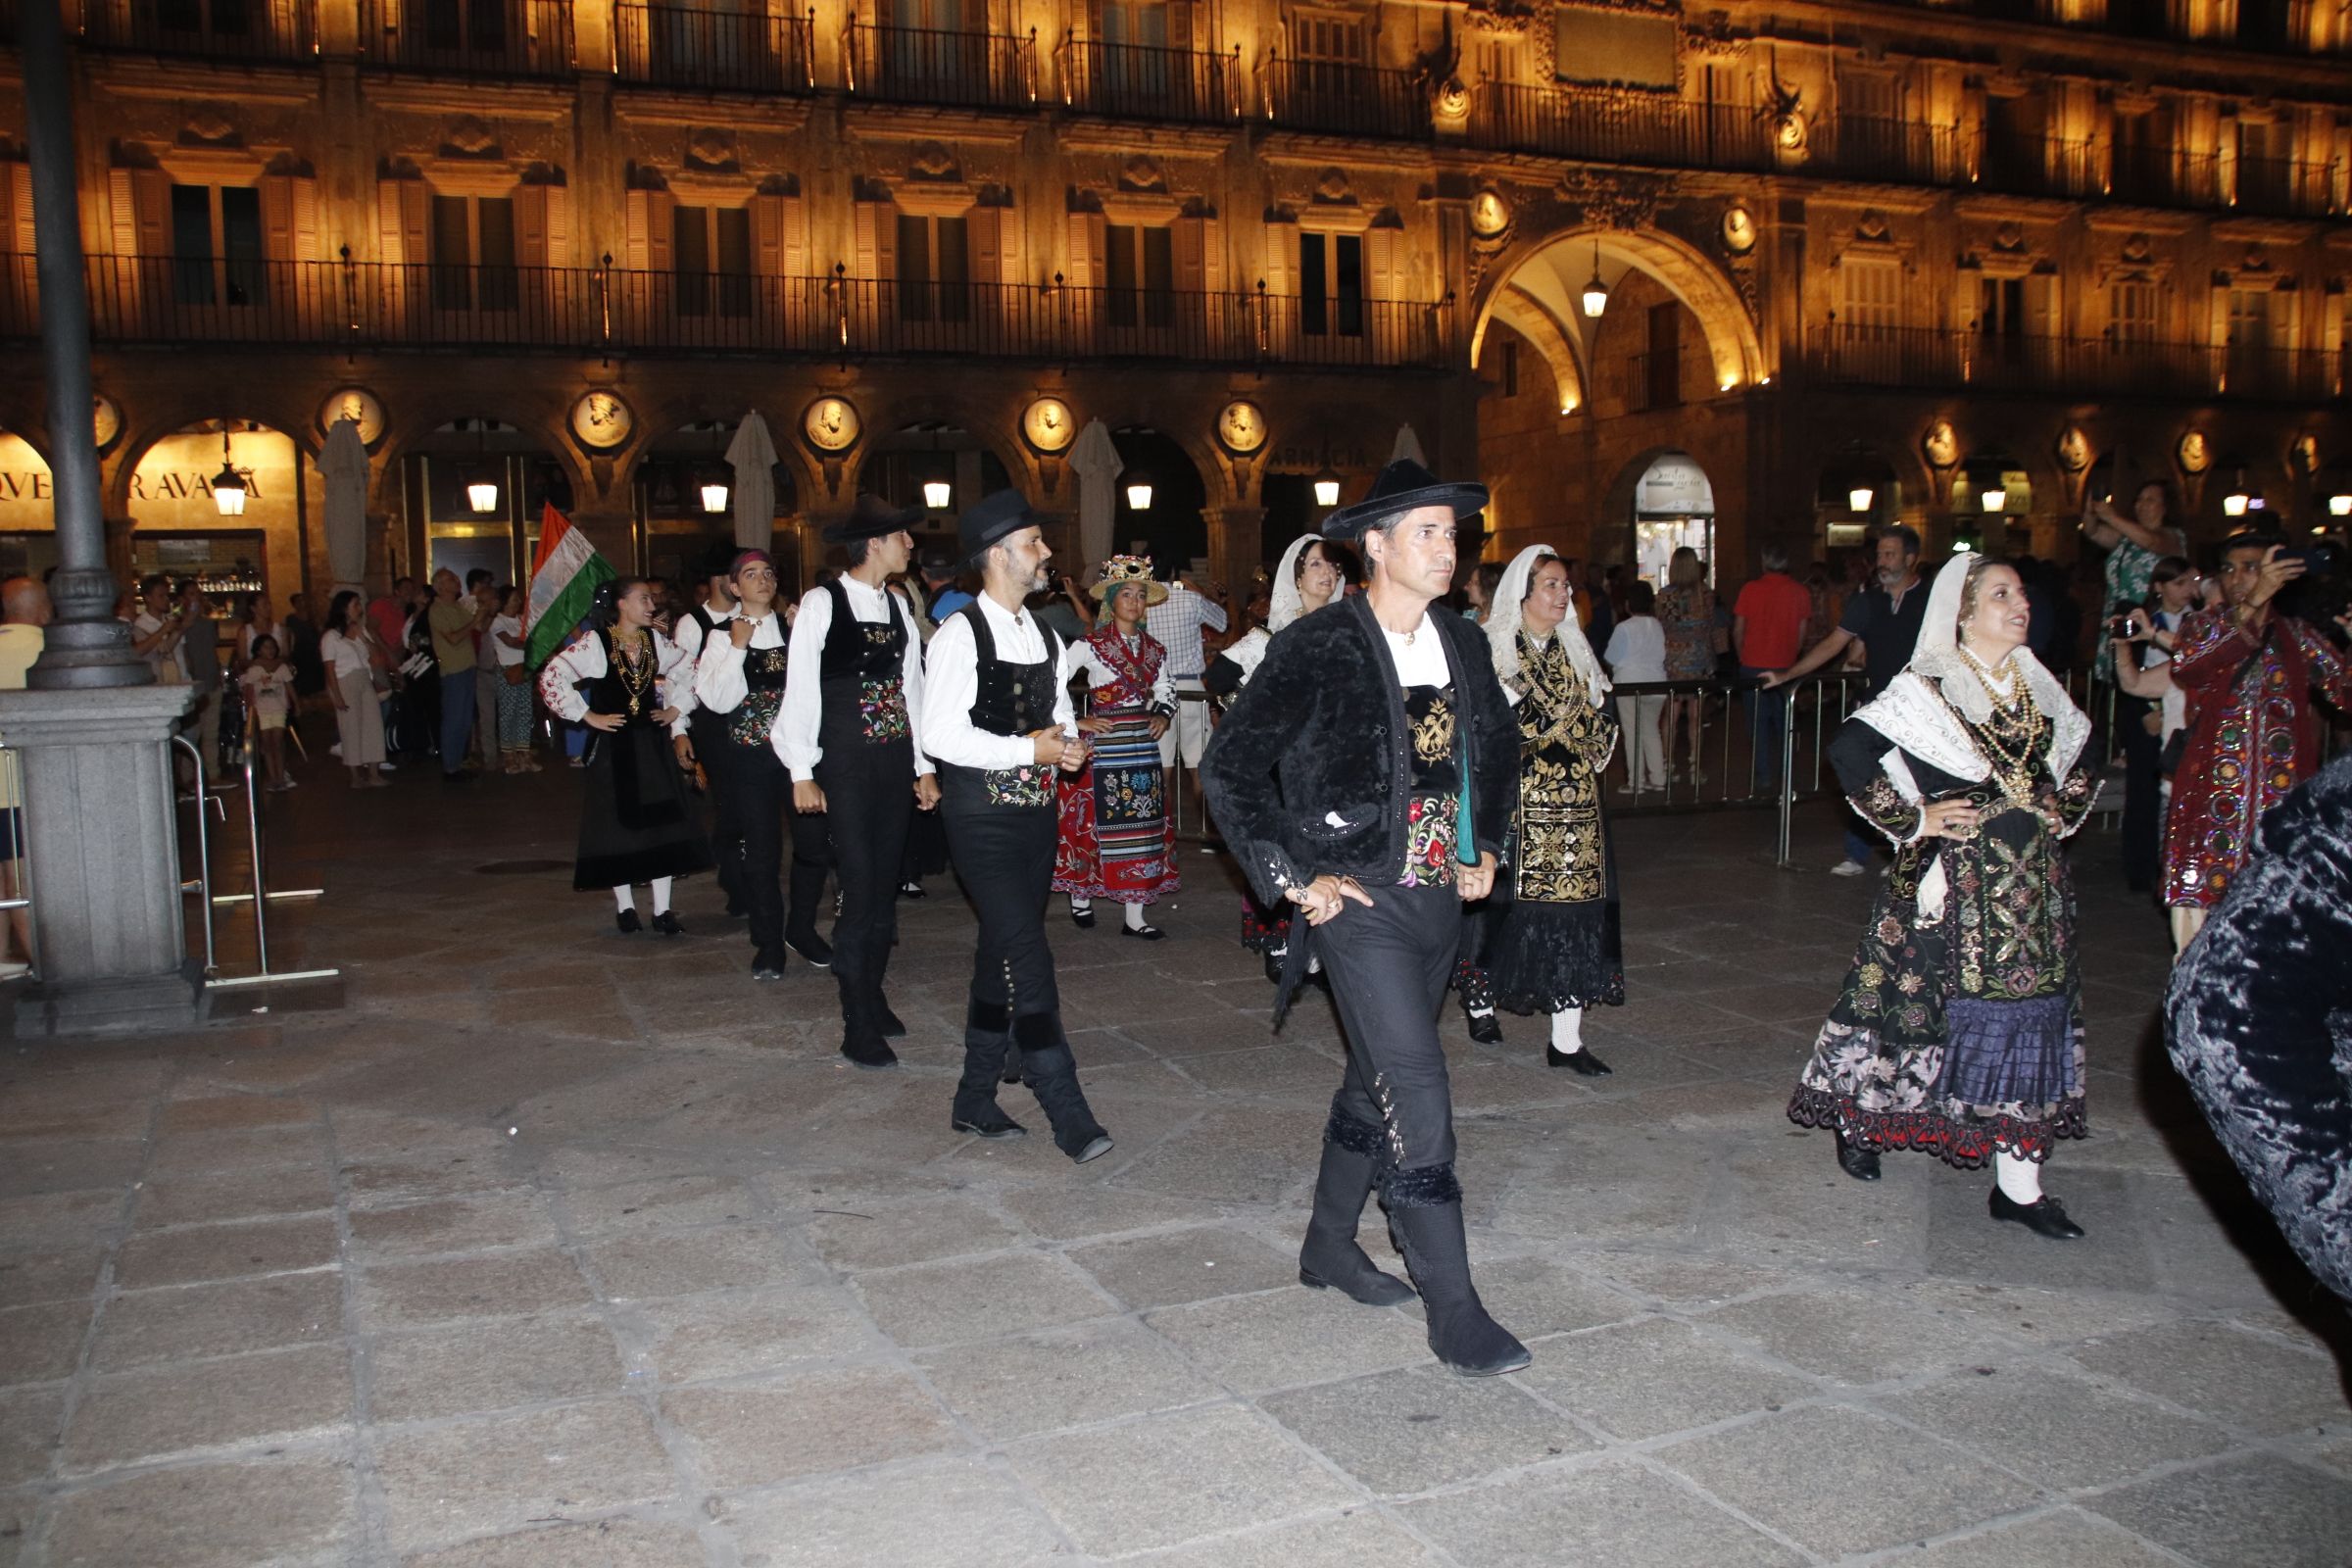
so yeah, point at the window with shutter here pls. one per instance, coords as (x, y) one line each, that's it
(474, 256)
(2132, 310)
(1331, 284)
(934, 269)
(217, 247)
(1870, 294)
(1139, 266)
(710, 255)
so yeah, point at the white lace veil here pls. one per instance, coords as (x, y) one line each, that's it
(1283, 605)
(1503, 626)
(1938, 657)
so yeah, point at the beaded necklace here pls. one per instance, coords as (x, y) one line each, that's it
(634, 662)
(2009, 740)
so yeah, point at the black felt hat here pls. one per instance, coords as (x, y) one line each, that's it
(990, 519)
(871, 519)
(1405, 486)
(717, 562)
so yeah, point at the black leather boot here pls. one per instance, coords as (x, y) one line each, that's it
(1425, 1209)
(1331, 1258)
(1051, 1074)
(984, 1042)
(861, 1032)
(800, 915)
(1861, 1164)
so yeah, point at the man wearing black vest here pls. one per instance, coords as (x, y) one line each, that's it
(739, 677)
(702, 730)
(848, 734)
(996, 720)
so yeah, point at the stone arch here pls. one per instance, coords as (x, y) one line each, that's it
(1548, 270)
(1534, 322)
(990, 423)
(532, 412)
(117, 468)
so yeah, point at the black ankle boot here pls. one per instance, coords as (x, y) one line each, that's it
(1051, 1074)
(1861, 1164)
(985, 1039)
(862, 1036)
(1425, 1207)
(1329, 1258)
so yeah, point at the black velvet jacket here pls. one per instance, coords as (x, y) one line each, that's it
(1319, 733)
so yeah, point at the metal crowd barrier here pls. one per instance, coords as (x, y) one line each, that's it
(11, 772)
(260, 896)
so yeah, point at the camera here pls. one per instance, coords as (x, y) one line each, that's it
(2323, 591)
(2119, 629)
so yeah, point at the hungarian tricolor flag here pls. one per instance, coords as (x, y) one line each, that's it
(564, 583)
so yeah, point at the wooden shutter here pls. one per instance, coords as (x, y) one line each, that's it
(1383, 259)
(1087, 248)
(142, 207)
(19, 194)
(768, 236)
(543, 226)
(1282, 259)
(290, 217)
(996, 238)
(1199, 256)
(649, 215)
(877, 240)
(402, 206)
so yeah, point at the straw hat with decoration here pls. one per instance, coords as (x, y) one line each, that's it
(1120, 571)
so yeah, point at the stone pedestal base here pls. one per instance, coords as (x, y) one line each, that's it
(102, 839)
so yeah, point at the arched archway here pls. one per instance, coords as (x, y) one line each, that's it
(475, 489)
(1171, 527)
(1659, 501)
(1542, 281)
(184, 525)
(682, 502)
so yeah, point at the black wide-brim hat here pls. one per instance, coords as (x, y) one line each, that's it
(871, 519)
(717, 562)
(990, 519)
(1405, 486)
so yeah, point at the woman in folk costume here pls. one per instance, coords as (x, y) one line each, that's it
(1117, 841)
(1960, 1029)
(1553, 947)
(636, 824)
(1309, 576)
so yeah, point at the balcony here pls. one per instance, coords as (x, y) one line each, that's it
(1659, 132)
(1344, 99)
(713, 51)
(204, 30)
(348, 307)
(469, 37)
(1888, 151)
(1134, 81)
(1933, 359)
(2285, 187)
(927, 66)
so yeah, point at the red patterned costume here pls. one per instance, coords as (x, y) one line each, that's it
(2253, 739)
(1117, 840)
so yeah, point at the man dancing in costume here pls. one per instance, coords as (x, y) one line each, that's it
(1368, 775)
(847, 732)
(740, 678)
(702, 730)
(996, 719)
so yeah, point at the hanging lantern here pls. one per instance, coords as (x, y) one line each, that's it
(2339, 506)
(482, 496)
(229, 485)
(1993, 501)
(714, 496)
(1596, 293)
(2233, 505)
(938, 494)
(1327, 489)
(1859, 498)
(1139, 496)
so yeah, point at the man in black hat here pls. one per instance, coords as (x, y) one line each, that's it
(996, 720)
(740, 678)
(701, 730)
(1366, 774)
(848, 734)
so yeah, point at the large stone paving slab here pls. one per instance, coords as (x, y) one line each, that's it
(534, 1247)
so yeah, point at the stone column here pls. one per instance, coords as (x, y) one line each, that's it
(1232, 543)
(102, 845)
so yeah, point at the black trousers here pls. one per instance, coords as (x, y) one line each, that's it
(2144, 794)
(753, 804)
(869, 804)
(1389, 965)
(1005, 858)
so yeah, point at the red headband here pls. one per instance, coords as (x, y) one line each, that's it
(744, 558)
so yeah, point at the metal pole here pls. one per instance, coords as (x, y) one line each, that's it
(203, 854)
(86, 646)
(1788, 782)
(253, 826)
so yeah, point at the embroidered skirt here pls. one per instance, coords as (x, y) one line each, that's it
(1116, 840)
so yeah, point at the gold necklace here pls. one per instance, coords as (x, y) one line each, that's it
(636, 661)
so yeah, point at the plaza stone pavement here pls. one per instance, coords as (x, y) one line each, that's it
(530, 1246)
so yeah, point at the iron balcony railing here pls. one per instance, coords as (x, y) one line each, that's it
(1323, 95)
(218, 30)
(1138, 82)
(358, 305)
(1928, 358)
(714, 51)
(928, 66)
(1620, 128)
(469, 37)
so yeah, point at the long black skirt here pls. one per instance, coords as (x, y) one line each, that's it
(635, 819)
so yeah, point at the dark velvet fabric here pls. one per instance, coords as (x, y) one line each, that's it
(2259, 1021)
(1303, 775)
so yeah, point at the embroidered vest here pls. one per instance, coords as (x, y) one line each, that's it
(752, 719)
(617, 691)
(862, 680)
(1009, 700)
(1434, 802)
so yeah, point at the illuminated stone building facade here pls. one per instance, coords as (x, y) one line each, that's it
(1972, 259)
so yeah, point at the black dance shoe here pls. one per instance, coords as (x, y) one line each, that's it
(809, 944)
(1274, 968)
(1485, 1028)
(1861, 1164)
(912, 890)
(1083, 919)
(1582, 1061)
(628, 922)
(988, 1122)
(2045, 1217)
(888, 1021)
(1143, 933)
(868, 1051)
(1095, 1148)
(667, 923)
(767, 964)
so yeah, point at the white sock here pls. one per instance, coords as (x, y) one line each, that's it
(1567, 1031)
(1079, 906)
(661, 895)
(1135, 917)
(1482, 1012)
(626, 897)
(2019, 1178)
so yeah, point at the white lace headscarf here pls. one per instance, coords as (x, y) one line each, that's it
(1503, 626)
(1938, 657)
(1283, 605)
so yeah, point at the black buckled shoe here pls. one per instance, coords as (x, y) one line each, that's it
(1579, 1062)
(628, 922)
(667, 923)
(2045, 1217)
(1485, 1028)
(1083, 919)
(1861, 1164)
(1143, 933)
(912, 890)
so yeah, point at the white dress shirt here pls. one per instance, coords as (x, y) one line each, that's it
(951, 681)
(584, 660)
(801, 719)
(689, 638)
(718, 682)
(1084, 658)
